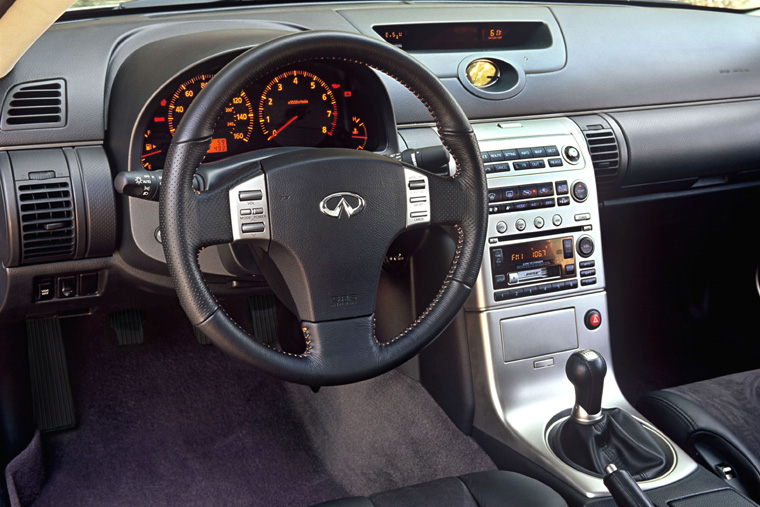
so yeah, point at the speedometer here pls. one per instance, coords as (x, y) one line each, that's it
(297, 108)
(234, 127)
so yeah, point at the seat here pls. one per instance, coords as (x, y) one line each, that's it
(716, 422)
(495, 488)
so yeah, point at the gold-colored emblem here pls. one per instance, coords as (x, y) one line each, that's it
(482, 73)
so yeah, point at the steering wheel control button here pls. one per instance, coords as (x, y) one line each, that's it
(557, 220)
(592, 319)
(501, 227)
(580, 191)
(157, 234)
(580, 217)
(538, 222)
(520, 224)
(250, 195)
(252, 227)
(585, 246)
(249, 209)
(567, 248)
(417, 198)
(572, 154)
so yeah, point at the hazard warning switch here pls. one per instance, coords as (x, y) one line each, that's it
(593, 319)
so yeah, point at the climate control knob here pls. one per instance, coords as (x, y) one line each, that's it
(580, 191)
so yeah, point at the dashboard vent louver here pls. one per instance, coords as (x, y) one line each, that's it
(47, 221)
(605, 155)
(33, 105)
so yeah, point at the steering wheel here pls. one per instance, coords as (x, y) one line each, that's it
(322, 220)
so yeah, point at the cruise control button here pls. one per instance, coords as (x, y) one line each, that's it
(420, 198)
(250, 195)
(416, 184)
(252, 227)
(418, 214)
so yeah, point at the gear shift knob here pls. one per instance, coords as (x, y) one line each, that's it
(586, 369)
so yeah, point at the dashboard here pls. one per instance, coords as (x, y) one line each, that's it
(308, 105)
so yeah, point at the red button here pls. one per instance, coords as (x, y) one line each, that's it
(593, 319)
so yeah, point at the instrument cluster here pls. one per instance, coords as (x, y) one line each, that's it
(312, 104)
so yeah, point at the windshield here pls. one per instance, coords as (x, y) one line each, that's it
(723, 4)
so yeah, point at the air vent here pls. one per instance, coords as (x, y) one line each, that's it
(47, 221)
(34, 105)
(605, 155)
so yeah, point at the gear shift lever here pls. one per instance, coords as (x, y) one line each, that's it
(586, 369)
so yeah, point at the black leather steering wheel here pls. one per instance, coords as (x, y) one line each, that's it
(323, 219)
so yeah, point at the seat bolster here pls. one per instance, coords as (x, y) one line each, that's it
(353, 501)
(498, 488)
(699, 433)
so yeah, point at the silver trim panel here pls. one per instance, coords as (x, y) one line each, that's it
(417, 187)
(247, 213)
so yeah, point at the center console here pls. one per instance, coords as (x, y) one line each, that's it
(541, 297)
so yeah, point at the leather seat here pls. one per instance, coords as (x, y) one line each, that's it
(494, 488)
(716, 422)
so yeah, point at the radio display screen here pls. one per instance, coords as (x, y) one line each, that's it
(531, 256)
(466, 36)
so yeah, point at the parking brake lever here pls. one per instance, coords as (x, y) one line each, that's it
(624, 489)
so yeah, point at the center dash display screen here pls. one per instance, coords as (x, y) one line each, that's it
(530, 256)
(466, 36)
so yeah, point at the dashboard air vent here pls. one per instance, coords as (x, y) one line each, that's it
(47, 221)
(33, 105)
(605, 155)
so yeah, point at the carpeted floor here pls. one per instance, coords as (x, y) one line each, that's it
(170, 422)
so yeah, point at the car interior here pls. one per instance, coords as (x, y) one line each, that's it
(379, 253)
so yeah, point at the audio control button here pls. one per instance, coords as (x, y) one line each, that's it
(557, 220)
(588, 272)
(570, 269)
(525, 152)
(520, 224)
(501, 227)
(587, 264)
(567, 248)
(585, 246)
(538, 222)
(580, 217)
(588, 281)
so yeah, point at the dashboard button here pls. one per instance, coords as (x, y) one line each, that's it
(525, 152)
(497, 256)
(555, 162)
(587, 264)
(485, 157)
(588, 272)
(580, 217)
(563, 201)
(501, 227)
(537, 164)
(567, 248)
(545, 189)
(521, 165)
(551, 151)
(557, 220)
(570, 269)
(572, 154)
(562, 188)
(538, 222)
(500, 168)
(592, 319)
(44, 290)
(494, 195)
(520, 224)
(510, 154)
(588, 281)
(580, 191)
(585, 246)
(538, 152)
(511, 193)
(521, 206)
(528, 191)
(496, 156)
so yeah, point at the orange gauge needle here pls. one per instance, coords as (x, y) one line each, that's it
(274, 134)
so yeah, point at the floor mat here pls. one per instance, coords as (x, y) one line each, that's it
(170, 422)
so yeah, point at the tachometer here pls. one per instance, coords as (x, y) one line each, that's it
(234, 127)
(297, 108)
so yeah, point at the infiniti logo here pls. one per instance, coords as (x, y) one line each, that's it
(335, 205)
